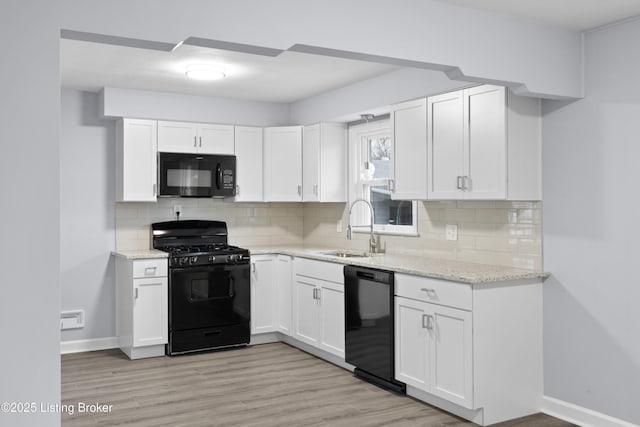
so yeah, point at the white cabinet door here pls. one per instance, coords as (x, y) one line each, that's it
(136, 160)
(248, 150)
(324, 163)
(215, 139)
(263, 294)
(177, 137)
(411, 343)
(451, 354)
(409, 150)
(283, 164)
(446, 142)
(284, 292)
(150, 311)
(486, 167)
(331, 302)
(311, 164)
(307, 328)
(433, 349)
(467, 143)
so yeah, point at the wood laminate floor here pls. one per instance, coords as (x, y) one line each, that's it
(264, 385)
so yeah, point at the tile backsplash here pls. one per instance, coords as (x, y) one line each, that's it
(249, 224)
(502, 233)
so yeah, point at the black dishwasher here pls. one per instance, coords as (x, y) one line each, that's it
(368, 301)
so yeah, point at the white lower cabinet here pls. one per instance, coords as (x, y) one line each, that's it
(473, 350)
(142, 306)
(283, 292)
(318, 306)
(263, 294)
(270, 294)
(434, 349)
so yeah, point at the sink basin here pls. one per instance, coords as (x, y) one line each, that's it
(345, 254)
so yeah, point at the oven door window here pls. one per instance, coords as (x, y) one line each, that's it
(208, 290)
(209, 296)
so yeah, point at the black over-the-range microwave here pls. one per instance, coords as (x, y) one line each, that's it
(196, 175)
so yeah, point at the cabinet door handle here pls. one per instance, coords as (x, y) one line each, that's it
(195, 141)
(314, 293)
(299, 190)
(155, 186)
(392, 185)
(459, 186)
(253, 267)
(136, 293)
(237, 190)
(150, 271)
(315, 189)
(200, 141)
(427, 321)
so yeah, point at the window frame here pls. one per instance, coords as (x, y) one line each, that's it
(358, 188)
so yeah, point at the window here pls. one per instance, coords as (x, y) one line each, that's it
(370, 151)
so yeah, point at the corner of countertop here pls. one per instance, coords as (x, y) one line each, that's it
(140, 254)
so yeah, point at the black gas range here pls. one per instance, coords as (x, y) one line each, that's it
(209, 286)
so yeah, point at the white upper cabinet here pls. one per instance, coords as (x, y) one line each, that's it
(187, 137)
(409, 150)
(283, 164)
(136, 160)
(324, 163)
(484, 143)
(249, 152)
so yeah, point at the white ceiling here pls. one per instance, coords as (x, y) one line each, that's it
(289, 76)
(577, 15)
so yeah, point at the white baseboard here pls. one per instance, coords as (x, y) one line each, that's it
(88, 345)
(580, 416)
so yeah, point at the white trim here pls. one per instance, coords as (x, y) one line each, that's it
(580, 416)
(80, 346)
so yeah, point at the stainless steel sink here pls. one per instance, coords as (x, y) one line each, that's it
(345, 254)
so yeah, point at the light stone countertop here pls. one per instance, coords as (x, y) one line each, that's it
(457, 271)
(141, 254)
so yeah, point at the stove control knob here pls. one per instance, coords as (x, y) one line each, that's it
(229, 258)
(193, 260)
(212, 258)
(182, 260)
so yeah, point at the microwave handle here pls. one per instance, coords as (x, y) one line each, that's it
(218, 175)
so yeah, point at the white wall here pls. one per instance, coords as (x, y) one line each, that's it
(172, 106)
(30, 210)
(592, 230)
(87, 214)
(344, 104)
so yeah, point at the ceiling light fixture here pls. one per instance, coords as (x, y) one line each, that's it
(205, 72)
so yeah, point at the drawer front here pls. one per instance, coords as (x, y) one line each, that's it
(150, 268)
(330, 271)
(444, 292)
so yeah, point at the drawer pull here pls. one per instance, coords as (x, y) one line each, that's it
(150, 271)
(430, 292)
